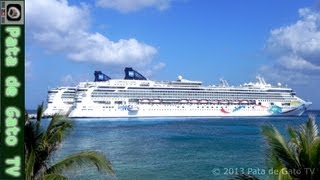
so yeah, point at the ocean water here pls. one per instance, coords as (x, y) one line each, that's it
(185, 148)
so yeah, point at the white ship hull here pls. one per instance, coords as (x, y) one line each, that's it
(187, 111)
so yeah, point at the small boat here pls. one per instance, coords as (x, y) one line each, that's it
(156, 101)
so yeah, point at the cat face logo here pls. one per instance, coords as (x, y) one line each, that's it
(14, 12)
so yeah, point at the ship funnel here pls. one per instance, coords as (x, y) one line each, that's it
(133, 74)
(99, 76)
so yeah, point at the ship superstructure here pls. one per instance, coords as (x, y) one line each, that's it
(60, 100)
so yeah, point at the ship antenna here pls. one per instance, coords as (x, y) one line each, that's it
(264, 82)
(224, 82)
(260, 79)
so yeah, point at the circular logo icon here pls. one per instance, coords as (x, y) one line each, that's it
(14, 13)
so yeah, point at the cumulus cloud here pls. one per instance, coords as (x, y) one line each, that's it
(284, 75)
(296, 48)
(295, 62)
(126, 6)
(154, 69)
(60, 27)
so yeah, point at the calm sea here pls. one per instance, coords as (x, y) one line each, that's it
(175, 148)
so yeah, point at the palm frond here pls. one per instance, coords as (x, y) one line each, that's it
(283, 174)
(83, 159)
(59, 129)
(308, 134)
(30, 159)
(315, 155)
(56, 131)
(310, 129)
(293, 135)
(279, 147)
(299, 155)
(39, 111)
(41, 143)
(54, 177)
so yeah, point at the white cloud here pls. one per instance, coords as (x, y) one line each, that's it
(126, 6)
(296, 48)
(124, 52)
(154, 69)
(294, 62)
(60, 27)
(284, 75)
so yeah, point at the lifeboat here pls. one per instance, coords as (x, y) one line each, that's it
(156, 101)
(244, 102)
(194, 101)
(224, 102)
(144, 101)
(235, 102)
(203, 101)
(183, 101)
(214, 102)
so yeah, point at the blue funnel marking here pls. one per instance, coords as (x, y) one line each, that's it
(99, 76)
(133, 74)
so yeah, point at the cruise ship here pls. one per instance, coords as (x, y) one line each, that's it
(137, 96)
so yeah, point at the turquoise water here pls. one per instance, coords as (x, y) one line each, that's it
(175, 148)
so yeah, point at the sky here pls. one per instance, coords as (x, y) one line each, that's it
(67, 40)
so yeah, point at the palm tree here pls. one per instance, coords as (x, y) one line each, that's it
(41, 144)
(295, 159)
(299, 157)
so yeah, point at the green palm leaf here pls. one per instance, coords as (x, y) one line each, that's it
(300, 155)
(285, 153)
(83, 159)
(40, 144)
(40, 110)
(29, 165)
(54, 177)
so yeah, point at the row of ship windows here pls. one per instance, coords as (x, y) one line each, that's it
(194, 91)
(192, 97)
(176, 103)
(183, 94)
(174, 98)
(179, 95)
(198, 107)
(250, 109)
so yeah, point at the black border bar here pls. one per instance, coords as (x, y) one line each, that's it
(12, 114)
